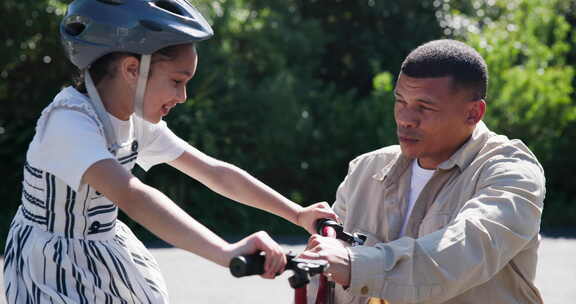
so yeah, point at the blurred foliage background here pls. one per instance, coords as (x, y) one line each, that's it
(292, 90)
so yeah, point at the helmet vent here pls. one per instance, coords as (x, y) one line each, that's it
(169, 6)
(74, 29)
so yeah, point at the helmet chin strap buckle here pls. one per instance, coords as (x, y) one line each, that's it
(141, 85)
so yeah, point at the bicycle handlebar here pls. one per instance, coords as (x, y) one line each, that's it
(247, 265)
(352, 239)
(253, 264)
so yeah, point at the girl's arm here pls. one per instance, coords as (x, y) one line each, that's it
(236, 184)
(160, 215)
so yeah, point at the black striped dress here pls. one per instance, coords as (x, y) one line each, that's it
(65, 243)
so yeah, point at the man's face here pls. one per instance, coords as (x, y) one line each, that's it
(433, 118)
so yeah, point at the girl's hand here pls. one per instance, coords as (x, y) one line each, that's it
(308, 216)
(260, 241)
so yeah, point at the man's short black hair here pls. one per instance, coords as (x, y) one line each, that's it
(441, 58)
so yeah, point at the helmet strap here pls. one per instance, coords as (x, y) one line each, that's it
(141, 86)
(101, 112)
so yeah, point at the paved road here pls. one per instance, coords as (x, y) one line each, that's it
(193, 280)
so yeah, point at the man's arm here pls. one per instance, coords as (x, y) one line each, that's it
(488, 232)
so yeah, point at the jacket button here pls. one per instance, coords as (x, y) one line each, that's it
(364, 290)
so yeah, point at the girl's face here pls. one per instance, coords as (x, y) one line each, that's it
(167, 82)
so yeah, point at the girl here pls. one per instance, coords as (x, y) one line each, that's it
(65, 244)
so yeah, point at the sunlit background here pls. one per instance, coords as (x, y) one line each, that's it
(292, 90)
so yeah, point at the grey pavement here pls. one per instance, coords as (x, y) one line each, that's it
(191, 279)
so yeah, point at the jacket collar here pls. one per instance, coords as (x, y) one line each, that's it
(466, 154)
(460, 159)
(393, 169)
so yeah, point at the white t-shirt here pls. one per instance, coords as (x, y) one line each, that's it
(420, 178)
(70, 140)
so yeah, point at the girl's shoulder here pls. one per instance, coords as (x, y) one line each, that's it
(70, 98)
(71, 101)
(69, 138)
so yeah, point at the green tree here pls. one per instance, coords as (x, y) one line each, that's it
(292, 90)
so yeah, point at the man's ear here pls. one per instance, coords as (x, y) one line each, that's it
(476, 111)
(129, 68)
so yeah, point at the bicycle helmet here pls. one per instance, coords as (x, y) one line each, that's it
(94, 28)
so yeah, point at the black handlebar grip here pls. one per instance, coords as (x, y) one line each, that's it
(247, 265)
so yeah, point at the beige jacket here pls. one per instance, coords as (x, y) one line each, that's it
(473, 234)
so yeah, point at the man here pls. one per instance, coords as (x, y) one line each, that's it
(453, 213)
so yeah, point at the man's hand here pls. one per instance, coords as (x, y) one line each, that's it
(308, 216)
(333, 251)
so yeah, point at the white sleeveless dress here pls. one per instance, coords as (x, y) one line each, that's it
(65, 243)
